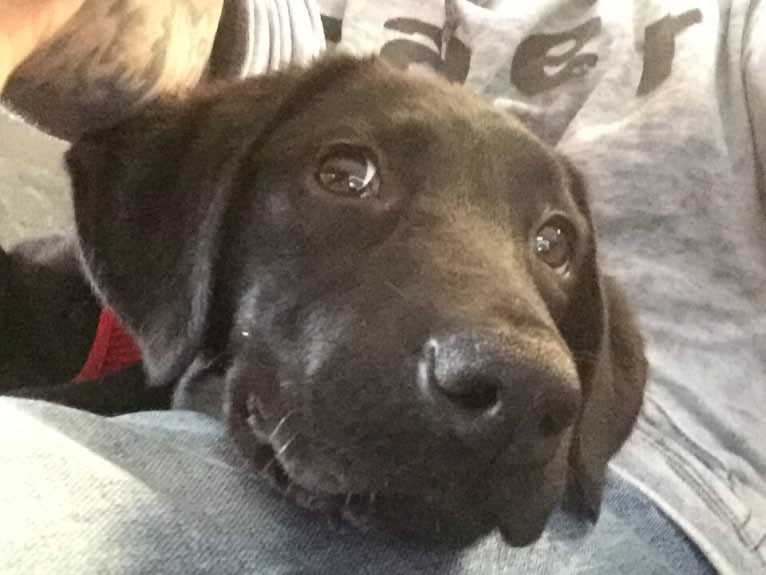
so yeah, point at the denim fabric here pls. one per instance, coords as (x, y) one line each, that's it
(165, 492)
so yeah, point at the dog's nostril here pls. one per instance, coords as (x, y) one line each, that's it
(464, 388)
(483, 391)
(472, 393)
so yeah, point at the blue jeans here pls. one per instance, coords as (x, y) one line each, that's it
(165, 492)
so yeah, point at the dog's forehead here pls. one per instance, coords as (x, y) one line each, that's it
(477, 152)
(377, 96)
(460, 136)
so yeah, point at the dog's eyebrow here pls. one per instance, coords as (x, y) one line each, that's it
(310, 85)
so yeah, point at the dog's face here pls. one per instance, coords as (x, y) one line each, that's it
(396, 283)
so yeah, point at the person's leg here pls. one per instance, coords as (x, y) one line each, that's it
(165, 492)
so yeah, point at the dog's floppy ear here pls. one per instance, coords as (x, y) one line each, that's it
(146, 219)
(151, 195)
(604, 337)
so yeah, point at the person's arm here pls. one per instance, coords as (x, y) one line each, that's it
(27, 24)
(105, 60)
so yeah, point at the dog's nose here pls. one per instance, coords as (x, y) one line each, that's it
(488, 390)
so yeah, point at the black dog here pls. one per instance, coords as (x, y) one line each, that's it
(389, 290)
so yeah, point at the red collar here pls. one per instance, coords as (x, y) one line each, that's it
(113, 350)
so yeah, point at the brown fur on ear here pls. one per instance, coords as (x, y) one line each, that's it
(609, 352)
(151, 195)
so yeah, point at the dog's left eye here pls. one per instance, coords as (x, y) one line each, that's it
(553, 245)
(348, 171)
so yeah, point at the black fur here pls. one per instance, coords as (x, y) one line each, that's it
(310, 321)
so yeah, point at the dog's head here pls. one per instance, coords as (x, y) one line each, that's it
(397, 284)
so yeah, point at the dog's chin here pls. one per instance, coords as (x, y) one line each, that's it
(423, 520)
(516, 504)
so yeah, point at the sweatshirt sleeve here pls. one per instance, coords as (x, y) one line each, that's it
(259, 36)
(754, 64)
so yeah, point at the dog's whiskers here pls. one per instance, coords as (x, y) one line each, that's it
(213, 361)
(395, 288)
(286, 445)
(265, 469)
(278, 426)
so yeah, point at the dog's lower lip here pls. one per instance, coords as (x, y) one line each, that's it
(352, 506)
(416, 515)
(269, 465)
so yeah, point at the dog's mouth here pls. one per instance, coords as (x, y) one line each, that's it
(455, 518)
(274, 456)
(365, 510)
(270, 455)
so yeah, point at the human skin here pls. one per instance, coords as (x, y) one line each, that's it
(75, 65)
(26, 25)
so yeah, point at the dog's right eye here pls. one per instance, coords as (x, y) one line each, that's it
(348, 171)
(554, 244)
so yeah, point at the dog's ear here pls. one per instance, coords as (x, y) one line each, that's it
(146, 215)
(605, 340)
(151, 195)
